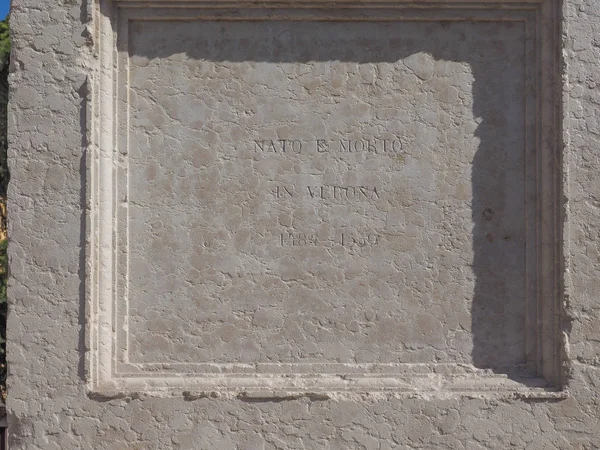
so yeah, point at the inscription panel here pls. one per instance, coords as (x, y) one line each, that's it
(320, 200)
(315, 192)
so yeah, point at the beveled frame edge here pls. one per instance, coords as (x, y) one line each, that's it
(101, 361)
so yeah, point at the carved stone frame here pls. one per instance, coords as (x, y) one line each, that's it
(108, 367)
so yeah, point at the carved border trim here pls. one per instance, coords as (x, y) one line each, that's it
(109, 371)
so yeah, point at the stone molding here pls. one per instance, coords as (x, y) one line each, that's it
(109, 369)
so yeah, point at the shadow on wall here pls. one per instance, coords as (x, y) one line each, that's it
(495, 54)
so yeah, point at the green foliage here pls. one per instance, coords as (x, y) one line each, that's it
(4, 43)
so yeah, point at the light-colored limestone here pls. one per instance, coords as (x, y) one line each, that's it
(297, 226)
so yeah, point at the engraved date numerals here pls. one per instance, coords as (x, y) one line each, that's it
(361, 240)
(345, 238)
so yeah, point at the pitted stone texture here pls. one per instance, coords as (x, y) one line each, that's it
(297, 192)
(284, 196)
(48, 403)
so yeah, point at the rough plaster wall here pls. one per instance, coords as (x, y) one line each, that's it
(48, 405)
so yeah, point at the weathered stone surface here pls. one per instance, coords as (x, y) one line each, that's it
(277, 202)
(299, 227)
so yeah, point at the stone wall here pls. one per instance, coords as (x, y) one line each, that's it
(497, 347)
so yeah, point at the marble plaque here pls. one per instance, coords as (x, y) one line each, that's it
(296, 200)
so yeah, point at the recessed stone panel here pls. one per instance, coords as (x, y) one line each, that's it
(302, 196)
